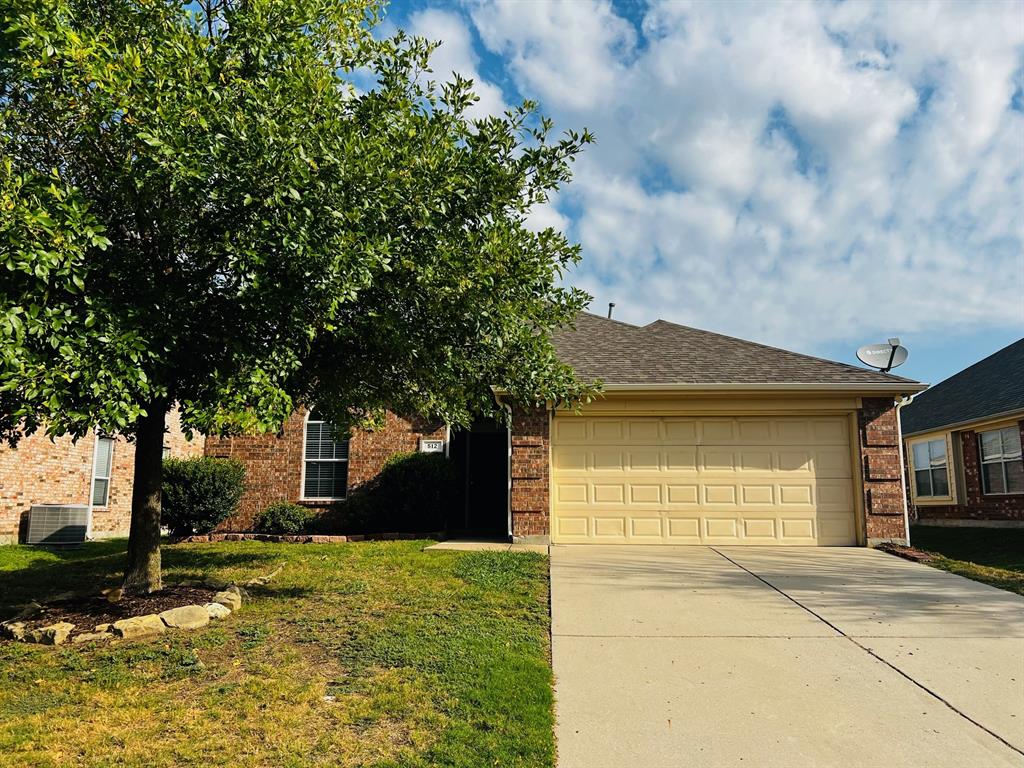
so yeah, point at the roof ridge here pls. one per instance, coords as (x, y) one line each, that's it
(985, 359)
(847, 366)
(608, 319)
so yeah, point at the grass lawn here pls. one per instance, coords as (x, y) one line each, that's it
(991, 555)
(369, 654)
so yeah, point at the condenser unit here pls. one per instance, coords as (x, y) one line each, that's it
(57, 524)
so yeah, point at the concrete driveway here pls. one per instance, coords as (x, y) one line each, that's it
(727, 656)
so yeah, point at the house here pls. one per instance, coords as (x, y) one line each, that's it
(963, 445)
(698, 438)
(95, 470)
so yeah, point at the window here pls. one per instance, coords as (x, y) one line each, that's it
(325, 466)
(103, 458)
(1002, 468)
(930, 475)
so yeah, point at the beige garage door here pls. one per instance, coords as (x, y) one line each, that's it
(757, 480)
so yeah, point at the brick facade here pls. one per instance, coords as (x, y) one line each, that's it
(531, 471)
(881, 473)
(977, 506)
(59, 471)
(273, 463)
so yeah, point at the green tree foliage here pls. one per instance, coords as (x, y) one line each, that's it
(200, 493)
(198, 206)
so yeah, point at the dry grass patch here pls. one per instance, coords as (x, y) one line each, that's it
(355, 655)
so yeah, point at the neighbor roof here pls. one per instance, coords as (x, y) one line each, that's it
(991, 387)
(665, 354)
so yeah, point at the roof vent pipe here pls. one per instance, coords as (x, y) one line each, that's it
(611, 306)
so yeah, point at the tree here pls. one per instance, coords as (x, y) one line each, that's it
(256, 206)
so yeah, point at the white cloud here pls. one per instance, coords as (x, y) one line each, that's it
(456, 55)
(799, 173)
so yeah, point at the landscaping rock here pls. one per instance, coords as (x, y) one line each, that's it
(232, 600)
(55, 634)
(217, 611)
(90, 637)
(138, 627)
(101, 628)
(186, 617)
(15, 630)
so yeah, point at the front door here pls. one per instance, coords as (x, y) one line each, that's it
(481, 453)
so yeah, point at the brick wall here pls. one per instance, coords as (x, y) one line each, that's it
(530, 472)
(977, 506)
(59, 471)
(273, 463)
(878, 441)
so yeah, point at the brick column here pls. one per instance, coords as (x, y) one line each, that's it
(878, 441)
(531, 473)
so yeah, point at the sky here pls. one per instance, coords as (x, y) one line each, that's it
(810, 175)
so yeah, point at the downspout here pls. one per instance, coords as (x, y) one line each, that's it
(903, 464)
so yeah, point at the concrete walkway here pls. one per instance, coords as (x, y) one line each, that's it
(728, 656)
(478, 545)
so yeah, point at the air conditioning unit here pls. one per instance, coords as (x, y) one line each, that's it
(57, 524)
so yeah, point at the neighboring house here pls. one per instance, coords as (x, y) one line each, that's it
(95, 470)
(963, 445)
(698, 439)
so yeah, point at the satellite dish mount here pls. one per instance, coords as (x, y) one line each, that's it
(884, 357)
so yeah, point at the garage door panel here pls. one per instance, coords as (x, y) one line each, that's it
(683, 431)
(752, 480)
(757, 494)
(683, 530)
(682, 493)
(832, 462)
(681, 459)
(570, 430)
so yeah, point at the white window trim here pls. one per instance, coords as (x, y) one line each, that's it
(302, 475)
(1002, 461)
(93, 477)
(919, 498)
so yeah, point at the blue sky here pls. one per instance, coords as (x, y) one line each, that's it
(814, 176)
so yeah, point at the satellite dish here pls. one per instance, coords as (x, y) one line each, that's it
(885, 357)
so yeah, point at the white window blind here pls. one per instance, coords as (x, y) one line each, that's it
(102, 463)
(325, 460)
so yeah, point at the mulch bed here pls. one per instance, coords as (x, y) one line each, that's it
(86, 612)
(907, 553)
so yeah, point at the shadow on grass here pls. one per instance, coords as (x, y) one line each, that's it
(42, 573)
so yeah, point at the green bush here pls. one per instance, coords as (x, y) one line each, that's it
(285, 518)
(413, 493)
(200, 493)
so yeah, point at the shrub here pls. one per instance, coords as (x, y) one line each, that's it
(413, 493)
(200, 493)
(285, 518)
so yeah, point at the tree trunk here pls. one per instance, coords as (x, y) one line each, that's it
(143, 572)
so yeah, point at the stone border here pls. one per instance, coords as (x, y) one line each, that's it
(310, 538)
(224, 602)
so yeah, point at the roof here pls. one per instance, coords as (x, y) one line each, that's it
(664, 354)
(991, 387)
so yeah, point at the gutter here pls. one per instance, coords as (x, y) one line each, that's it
(881, 388)
(824, 386)
(976, 420)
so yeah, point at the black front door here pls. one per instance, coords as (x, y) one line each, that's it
(482, 455)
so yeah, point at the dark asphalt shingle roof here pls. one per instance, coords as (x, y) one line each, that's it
(990, 387)
(666, 353)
